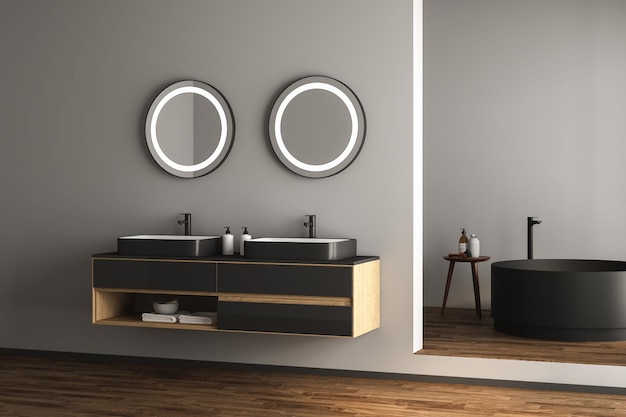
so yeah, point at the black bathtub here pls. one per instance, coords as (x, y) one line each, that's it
(560, 299)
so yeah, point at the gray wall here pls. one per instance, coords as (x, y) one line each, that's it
(524, 115)
(75, 172)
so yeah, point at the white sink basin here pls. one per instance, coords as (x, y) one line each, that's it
(297, 248)
(309, 240)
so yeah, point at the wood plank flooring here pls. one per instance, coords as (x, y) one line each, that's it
(32, 386)
(461, 333)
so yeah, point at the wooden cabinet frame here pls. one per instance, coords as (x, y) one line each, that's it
(356, 296)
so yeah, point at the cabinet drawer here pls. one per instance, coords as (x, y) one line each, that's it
(155, 275)
(323, 281)
(285, 318)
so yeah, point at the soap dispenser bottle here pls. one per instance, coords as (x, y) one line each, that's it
(463, 242)
(228, 242)
(474, 246)
(244, 237)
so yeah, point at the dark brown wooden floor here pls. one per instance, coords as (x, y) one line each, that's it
(461, 333)
(53, 387)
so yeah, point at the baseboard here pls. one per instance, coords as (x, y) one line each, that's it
(96, 357)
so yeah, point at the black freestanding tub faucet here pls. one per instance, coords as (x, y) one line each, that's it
(531, 222)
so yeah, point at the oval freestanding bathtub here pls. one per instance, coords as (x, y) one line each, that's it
(560, 299)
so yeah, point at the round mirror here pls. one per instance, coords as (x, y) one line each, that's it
(189, 129)
(317, 127)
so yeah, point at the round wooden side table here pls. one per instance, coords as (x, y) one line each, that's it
(473, 262)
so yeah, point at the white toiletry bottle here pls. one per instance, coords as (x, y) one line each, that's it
(244, 237)
(474, 246)
(228, 242)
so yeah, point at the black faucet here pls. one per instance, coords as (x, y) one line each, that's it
(187, 222)
(531, 222)
(311, 224)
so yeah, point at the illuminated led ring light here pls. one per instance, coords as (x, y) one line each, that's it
(201, 168)
(356, 134)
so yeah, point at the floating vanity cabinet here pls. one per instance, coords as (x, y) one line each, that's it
(332, 298)
(339, 298)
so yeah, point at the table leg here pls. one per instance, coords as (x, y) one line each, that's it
(476, 289)
(445, 294)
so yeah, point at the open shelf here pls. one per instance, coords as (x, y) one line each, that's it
(123, 307)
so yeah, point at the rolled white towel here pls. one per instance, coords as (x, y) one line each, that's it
(162, 318)
(199, 317)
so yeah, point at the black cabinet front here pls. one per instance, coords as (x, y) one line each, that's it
(154, 275)
(285, 318)
(321, 281)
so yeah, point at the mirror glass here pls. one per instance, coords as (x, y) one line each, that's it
(317, 127)
(189, 129)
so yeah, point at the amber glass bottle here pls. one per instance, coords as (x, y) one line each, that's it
(463, 240)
